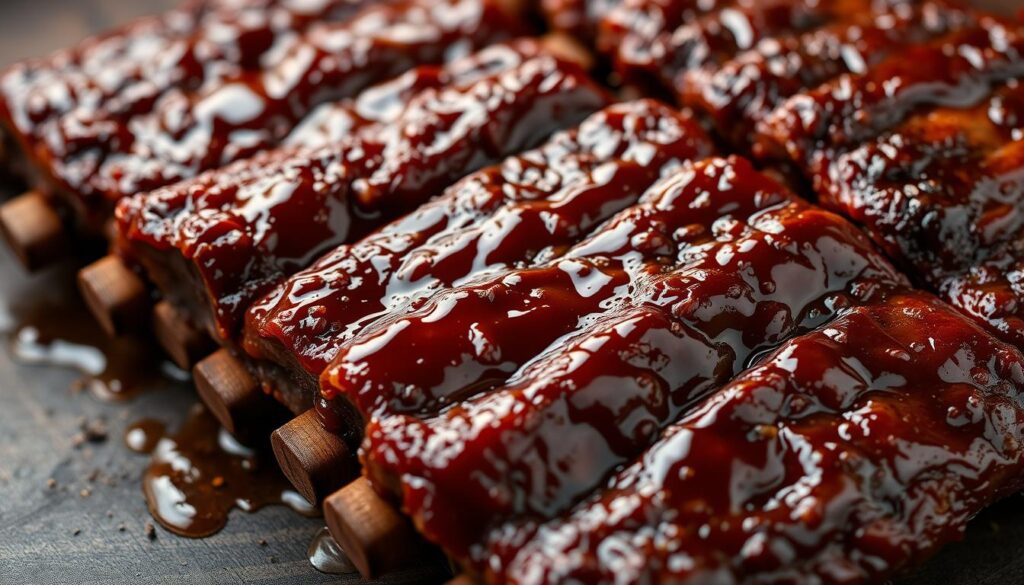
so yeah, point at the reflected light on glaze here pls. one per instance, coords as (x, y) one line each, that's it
(326, 556)
(198, 475)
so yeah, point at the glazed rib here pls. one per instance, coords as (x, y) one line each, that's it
(756, 267)
(198, 88)
(659, 41)
(531, 205)
(746, 89)
(215, 244)
(492, 326)
(848, 455)
(629, 30)
(943, 193)
(957, 69)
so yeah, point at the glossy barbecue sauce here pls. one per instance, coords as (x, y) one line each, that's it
(48, 325)
(243, 229)
(954, 70)
(485, 321)
(747, 88)
(716, 265)
(199, 474)
(960, 172)
(846, 455)
(172, 96)
(530, 206)
(658, 42)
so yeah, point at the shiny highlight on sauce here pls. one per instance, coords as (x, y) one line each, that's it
(199, 474)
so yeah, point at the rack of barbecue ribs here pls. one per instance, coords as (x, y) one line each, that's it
(492, 310)
(874, 422)
(941, 192)
(657, 43)
(932, 168)
(740, 93)
(576, 364)
(169, 97)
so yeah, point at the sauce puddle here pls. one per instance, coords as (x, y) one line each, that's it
(49, 325)
(198, 475)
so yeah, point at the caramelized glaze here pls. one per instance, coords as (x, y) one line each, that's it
(531, 205)
(172, 96)
(752, 266)
(844, 456)
(601, 360)
(943, 193)
(237, 232)
(746, 89)
(958, 69)
(659, 41)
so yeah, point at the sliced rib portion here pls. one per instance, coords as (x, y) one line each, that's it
(958, 69)
(658, 41)
(746, 89)
(849, 454)
(472, 337)
(215, 244)
(173, 96)
(943, 193)
(530, 207)
(755, 267)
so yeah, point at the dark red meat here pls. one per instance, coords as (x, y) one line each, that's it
(746, 89)
(660, 41)
(170, 97)
(847, 455)
(956, 70)
(943, 193)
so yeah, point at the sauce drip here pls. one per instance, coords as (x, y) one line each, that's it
(198, 475)
(326, 555)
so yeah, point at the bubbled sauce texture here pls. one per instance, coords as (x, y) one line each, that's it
(531, 206)
(583, 343)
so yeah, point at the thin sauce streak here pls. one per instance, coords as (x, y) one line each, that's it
(198, 475)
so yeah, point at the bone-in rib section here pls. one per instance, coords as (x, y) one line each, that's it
(849, 454)
(734, 266)
(171, 97)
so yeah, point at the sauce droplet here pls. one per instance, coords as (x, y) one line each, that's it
(326, 556)
(143, 435)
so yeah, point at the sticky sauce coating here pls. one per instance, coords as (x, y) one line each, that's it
(747, 267)
(943, 194)
(845, 456)
(234, 233)
(528, 208)
(197, 88)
